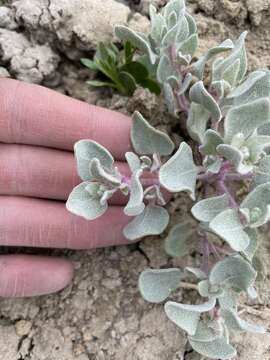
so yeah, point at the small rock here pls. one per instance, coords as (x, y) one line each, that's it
(23, 327)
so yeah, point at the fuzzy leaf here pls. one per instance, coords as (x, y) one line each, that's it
(230, 75)
(189, 46)
(238, 53)
(146, 140)
(257, 144)
(85, 151)
(85, 201)
(152, 221)
(236, 157)
(164, 69)
(200, 95)
(136, 39)
(196, 272)
(215, 349)
(102, 176)
(233, 272)
(206, 210)
(135, 205)
(210, 142)
(169, 98)
(177, 34)
(207, 290)
(158, 25)
(227, 300)
(256, 206)
(178, 240)
(256, 86)
(234, 322)
(177, 6)
(156, 285)
(246, 118)
(250, 251)
(262, 173)
(187, 316)
(200, 64)
(212, 164)
(198, 118)
(179, 172)
(133, 161)
(228, 226)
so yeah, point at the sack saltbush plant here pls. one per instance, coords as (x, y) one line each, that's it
(228, 121)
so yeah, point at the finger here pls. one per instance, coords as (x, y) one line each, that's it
(31, 114)
(43, 223)
(25, 275)
(42, 172)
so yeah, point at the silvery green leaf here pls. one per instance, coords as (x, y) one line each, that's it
(206, 210)
(212, 164)
(177, 6)
(256, 145)
(84, 201)
(262, 172)
(179, 172)
(135, 205)
(183, 59)
(164, 69)
(102, 176)
(189, 46)
(187, 316)
(191, 24)
(178, 240)
(256, 205)
(107, 194)
(85, 151)
(146, 140)
(236, 157)
(228, 226)
(156, 285)
(146, 162)
(250, 251)
(233, 272)
(215, 349)
(256, 86)
(221, 88)
(152, 221)
(198, 118)
(176, 34)
(200, 95)
(158, 25)
(200, 64)
(207, 290)
(238, 52)
(210, 142)
(169, 98)
(172, 19)
(153, 192)
(185, 84)
(204, 332)
(230, 75)
(234, 322)
(246, 118)
(227, 300)
(174, 81)
(133, 161)
(196, 272)
(137, 40)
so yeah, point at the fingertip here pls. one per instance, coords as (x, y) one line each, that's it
(27, 275)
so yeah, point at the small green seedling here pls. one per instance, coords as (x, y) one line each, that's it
(119, 69)
(228, 122)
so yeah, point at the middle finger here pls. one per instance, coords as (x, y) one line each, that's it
(42, 172)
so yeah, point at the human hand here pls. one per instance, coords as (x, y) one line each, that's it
(38, 128)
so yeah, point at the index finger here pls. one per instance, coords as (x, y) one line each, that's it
(34, 115)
